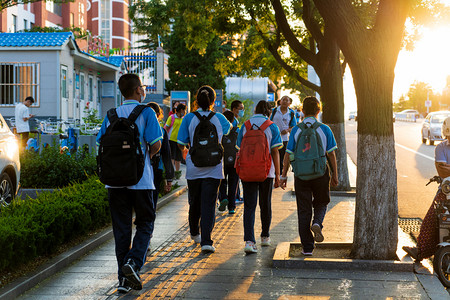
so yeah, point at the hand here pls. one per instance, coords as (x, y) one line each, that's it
(283, 183)
(334, 181)
(168, 186)
(277, 181)
(283, 132)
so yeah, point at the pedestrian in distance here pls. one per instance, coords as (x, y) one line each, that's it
(258, 166)
(428, 236)
(312, 146)
(131, 251)
(228, 186)
(284, 118)
(161, 163)
(172, 126)
(22, 116)
(202, 131)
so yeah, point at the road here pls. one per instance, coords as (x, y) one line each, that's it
(415, 165)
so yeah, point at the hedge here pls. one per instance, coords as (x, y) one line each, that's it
(34, 227)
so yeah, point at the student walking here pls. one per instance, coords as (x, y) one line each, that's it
(172, 127)
(22, 115)
(161, 162)
(311, 144)
(131, 253)
(202, 130)
(227, 196)
(285, 119)
(258, 166)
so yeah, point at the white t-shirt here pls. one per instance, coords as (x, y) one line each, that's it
(21, 112)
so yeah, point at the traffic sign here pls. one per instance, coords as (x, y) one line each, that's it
(427, 103)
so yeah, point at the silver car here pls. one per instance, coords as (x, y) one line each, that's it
(9, 164)
(432, 126)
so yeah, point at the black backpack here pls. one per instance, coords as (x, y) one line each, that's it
(229, 147)
(206, 151)
(120, 160)
(274, 111)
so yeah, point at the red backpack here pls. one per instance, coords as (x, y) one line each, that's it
(253, 161)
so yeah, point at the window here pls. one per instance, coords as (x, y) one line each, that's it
(14, 24)
(105, 14)
(18, 81)
(82, 86)
(72, 20)
(64, 92)
(91, 90)
(25, 24)
(53, 7)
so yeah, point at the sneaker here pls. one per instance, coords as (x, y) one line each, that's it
(306, 253)
(196, 238)
(250, 247)
(223, 205)
(265, 241)
(317, 230)
(132, 274)
(123, 287)
(208, 249)
(231, 212)
(412, 251)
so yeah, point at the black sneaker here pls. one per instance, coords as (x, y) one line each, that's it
(123, 287)
(132, 274)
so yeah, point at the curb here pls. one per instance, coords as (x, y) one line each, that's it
(23, 284)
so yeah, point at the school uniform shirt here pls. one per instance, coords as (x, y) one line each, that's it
(186, 136)
(442, 152)
(235, 122)
(173, 129)
(150, 132)
(272, 134)
(21, 112)
(284, 121)
(325, 133)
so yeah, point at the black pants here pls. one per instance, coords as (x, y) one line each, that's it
(202, 207)
(121, 204)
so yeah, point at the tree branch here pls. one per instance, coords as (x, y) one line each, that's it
(292, 40)
(311, 23)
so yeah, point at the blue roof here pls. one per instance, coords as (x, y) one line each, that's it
(115, 60)
(34, 39)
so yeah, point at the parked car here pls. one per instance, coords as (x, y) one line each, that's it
(411, 111)
(432, 126)
(352, 115)
(9, 164)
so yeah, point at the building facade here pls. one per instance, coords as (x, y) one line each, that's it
(105, 18)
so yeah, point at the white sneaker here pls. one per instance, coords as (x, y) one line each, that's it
(317, 230)
(208, 249)
(250, 247)
(265, 241)
(196, 238)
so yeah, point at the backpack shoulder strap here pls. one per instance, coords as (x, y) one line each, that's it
(272, 115)
(112, 115)
(248, 125)
(198, 115)
(265, 125)
(292, 116)
(302, 126)
(316, 125)
(211, 114)
(136, 112)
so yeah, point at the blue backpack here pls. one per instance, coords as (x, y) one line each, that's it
(309, 161)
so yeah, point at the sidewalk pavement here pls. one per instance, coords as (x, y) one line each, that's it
(176, 268)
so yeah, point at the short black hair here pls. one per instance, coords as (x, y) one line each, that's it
(235, 104)
(311, 106)
(30, 98)
(180, 107)
(155, 107)
(229, 115)
(205, 97)
(263, 107)
(128, 83)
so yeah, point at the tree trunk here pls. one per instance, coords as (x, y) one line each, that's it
(332, 95)
(376, 224)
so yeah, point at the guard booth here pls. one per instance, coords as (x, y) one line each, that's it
(180, 97)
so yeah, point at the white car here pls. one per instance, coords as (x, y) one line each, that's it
(411, 111)
(9, 164)
(432, 126)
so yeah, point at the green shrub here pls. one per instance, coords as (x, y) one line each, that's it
(34, 227)
(51, 169)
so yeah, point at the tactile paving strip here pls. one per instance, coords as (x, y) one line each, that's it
(172, 267)
(410, 225)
